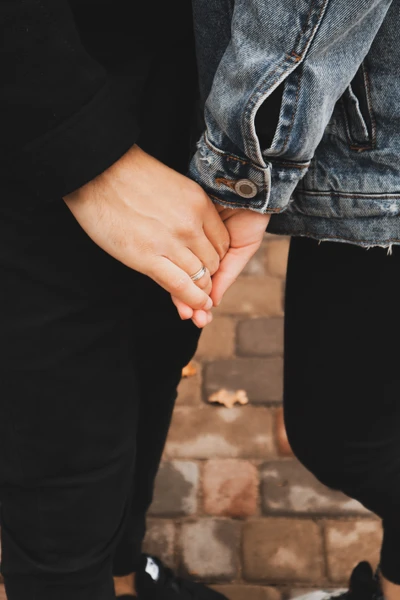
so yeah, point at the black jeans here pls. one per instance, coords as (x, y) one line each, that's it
(91, 355)
(342, 376)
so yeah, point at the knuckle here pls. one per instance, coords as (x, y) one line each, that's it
(208, 288)
(178, 284)
(153, 270)
(197, 194)
(213, 266)
(189, 225)
(204, 304)
(224, 247)
(204, 283)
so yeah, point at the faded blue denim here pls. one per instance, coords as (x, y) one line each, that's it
(332, 171)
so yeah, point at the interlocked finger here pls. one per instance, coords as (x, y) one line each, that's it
(178, 283)
(202, 279)
(193, 266)
(205, 252)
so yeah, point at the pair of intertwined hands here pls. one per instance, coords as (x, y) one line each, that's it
(164, 225)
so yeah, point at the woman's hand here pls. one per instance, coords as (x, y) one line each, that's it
(246, 231)
(155, 221)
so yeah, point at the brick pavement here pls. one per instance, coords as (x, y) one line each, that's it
(232, 506)
(244, 514)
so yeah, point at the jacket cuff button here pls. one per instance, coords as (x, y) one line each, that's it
(246, 188)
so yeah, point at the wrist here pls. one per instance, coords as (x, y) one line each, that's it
(113, 172)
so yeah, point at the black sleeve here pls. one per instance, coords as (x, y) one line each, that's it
(62, 121)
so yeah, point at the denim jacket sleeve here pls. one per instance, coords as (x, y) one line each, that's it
(310, 50)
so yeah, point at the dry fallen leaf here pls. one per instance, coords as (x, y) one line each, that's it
(190, 370)
(229, 397)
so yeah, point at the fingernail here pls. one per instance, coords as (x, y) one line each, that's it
(209, 304)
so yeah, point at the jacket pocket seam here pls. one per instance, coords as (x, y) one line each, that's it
(294, 112)
(367, 81)
(370, 142)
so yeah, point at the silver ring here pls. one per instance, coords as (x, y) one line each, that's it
(199, 274)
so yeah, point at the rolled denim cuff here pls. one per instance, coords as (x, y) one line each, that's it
(235, 182)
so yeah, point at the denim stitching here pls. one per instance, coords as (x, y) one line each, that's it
(351, 241)
(306, 192)
(241, 205)
(289, 165)
(371, 143)
(223, 154)
(367, 80)
(304, 28)
(232, 156)
(295, 106)
(297, 56)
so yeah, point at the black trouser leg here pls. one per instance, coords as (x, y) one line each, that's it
(159, 368)
(68, 403)
(342, 376)
(90, 355)
(91, 352)
(166, 135)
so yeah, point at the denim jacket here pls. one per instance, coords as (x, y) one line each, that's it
(332, 167)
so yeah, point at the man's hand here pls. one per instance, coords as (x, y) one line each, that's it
(246, 230)
(155, 221)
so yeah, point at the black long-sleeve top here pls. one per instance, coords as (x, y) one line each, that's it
(64, 115)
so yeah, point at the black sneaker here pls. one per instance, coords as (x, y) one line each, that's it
(154, 581)
(364, 585)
